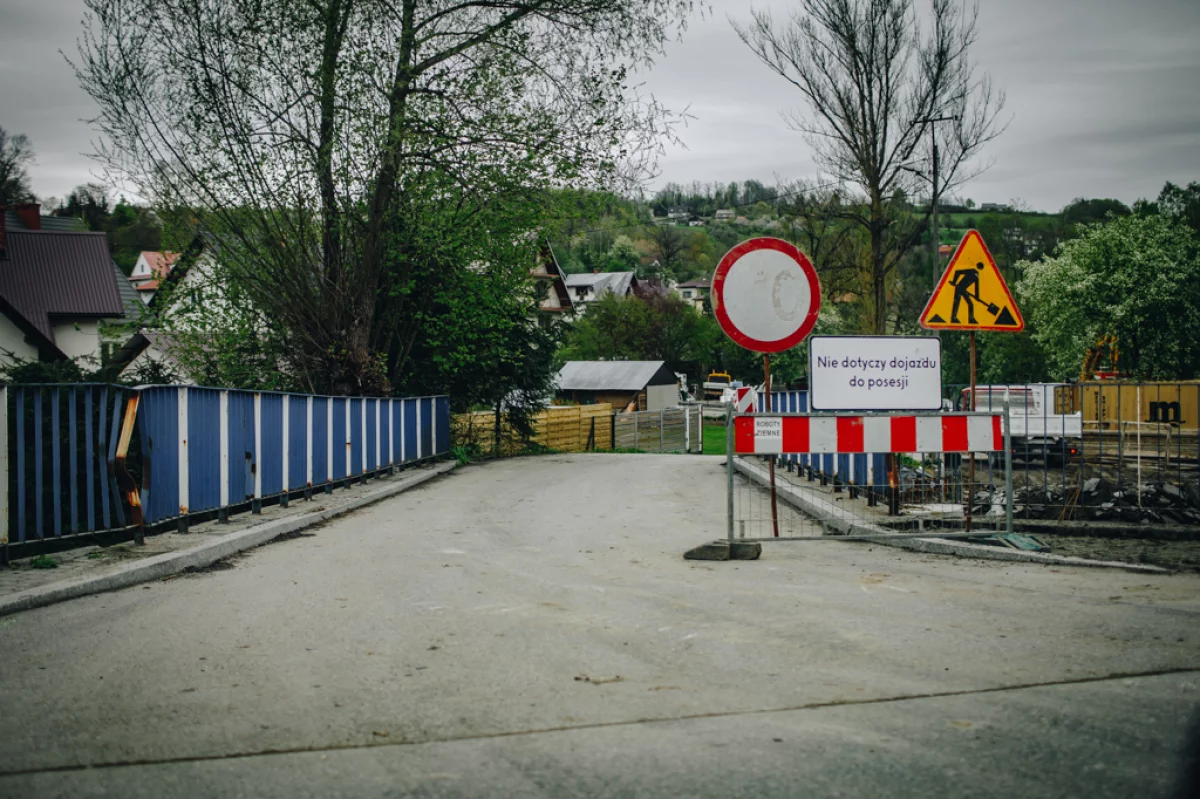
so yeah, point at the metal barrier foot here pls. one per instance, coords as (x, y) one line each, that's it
(725, 550)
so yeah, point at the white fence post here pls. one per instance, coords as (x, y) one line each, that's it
(223, 512)
(256, 505)
(329, 445)
(378, 436)
(391, 433)
(362, 418)
(349, 444)
(283, 441)
(183, 457)
(308, 455)
(4, 469)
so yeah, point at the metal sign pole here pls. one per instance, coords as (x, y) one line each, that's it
(1008, 479)
(971, 455)
(729, 470)
(774, 498)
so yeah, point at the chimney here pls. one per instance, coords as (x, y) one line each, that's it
(30, 214)
(3, 232)
(595, 271)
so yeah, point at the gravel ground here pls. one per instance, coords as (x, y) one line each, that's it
(1177, 555)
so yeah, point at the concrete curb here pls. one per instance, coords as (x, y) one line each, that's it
(822, 510)
(205, 554)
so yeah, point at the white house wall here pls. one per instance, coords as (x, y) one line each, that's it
(141, 268)
(78, 339)
(12, 340)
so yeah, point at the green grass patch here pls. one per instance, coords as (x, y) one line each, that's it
(43, 562)
(714, 438)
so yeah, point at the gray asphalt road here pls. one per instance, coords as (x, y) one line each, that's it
(529, 628)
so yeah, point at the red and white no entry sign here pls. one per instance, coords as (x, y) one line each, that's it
(766, 295)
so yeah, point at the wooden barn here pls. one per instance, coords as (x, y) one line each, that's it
(626, 385)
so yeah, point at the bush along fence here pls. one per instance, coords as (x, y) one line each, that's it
(90, 458)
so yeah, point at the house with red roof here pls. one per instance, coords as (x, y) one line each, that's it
(149, 272)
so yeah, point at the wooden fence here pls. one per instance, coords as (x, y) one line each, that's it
(574, 428)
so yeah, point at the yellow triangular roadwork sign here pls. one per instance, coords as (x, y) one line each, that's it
(972, 294)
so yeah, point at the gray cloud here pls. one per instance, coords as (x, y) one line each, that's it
(1104, 97)
(39, 95)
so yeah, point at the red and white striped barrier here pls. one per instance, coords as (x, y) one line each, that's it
(747, 400)
(841, 435)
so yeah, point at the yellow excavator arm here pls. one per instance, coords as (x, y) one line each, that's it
(1092, 358)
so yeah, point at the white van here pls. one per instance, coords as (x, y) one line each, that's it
(1037, 430)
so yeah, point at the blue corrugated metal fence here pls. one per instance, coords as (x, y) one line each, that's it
(197, 450)
(58, 470)
(210, 449)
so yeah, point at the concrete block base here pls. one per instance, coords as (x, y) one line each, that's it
(714, 550)
(745, 550)
(725, 550)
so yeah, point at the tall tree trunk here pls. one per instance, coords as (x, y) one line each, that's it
(336, 15)
(878, 272)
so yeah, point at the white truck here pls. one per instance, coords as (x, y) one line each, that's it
(1039, 431)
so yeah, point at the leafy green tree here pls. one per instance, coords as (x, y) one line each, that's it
(342, 147)
(1179, 202)
(485, 344)
(1133, 277)
(643, 329)
(623, 256)
(1082, 212)
(668, 244)
(132, 229)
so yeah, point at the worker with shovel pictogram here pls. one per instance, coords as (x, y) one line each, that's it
(963, 281)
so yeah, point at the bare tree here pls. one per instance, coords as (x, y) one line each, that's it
(875, 75)
(669, 245)
(338, 149)
(16, 154)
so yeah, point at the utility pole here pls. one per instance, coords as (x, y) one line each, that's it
(933, 195)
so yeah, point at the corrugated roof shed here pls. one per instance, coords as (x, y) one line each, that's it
(49, 274)
(618, 283)
(611, 375)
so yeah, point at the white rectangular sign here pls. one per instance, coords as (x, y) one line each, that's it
(768, 434)
(874, 373)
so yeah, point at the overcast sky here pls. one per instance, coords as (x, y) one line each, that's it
(1104, 97)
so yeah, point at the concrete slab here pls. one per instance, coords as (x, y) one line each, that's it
(1047, 742)
(204, 545)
